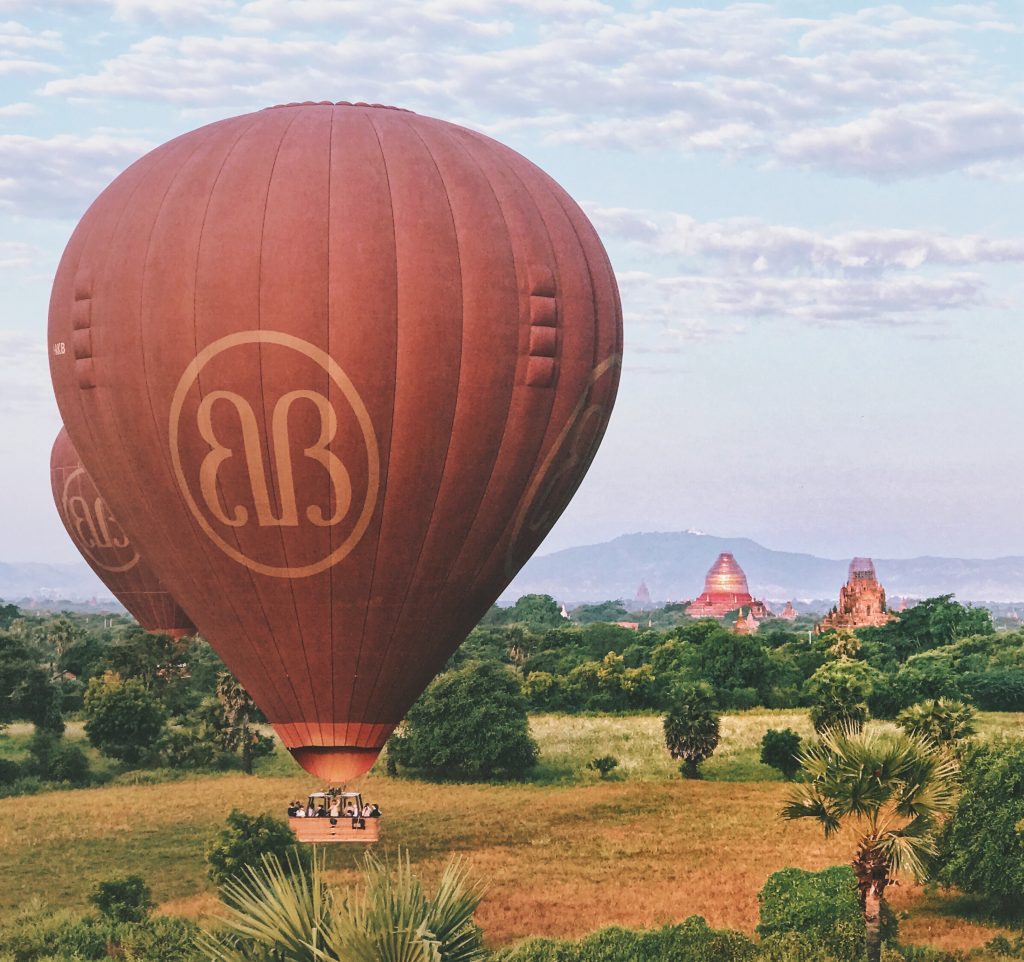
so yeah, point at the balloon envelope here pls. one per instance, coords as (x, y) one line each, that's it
(338, 369)
(106, 548)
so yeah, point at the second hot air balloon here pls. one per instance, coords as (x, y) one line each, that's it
(338, 369)
(105, 547)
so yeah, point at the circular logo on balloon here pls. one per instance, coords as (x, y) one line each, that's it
(92, 527)
(274, 452)
(567, 460)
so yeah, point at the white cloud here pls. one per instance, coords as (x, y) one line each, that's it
(21, 109)
(58, 176)
(724, 273)
(747, 243)
(878, 93)
(930, 137)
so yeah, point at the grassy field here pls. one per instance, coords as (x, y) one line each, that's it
(563, 854)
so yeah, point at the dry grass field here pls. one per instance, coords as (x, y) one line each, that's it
(562, 856)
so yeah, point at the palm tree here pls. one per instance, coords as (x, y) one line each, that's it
(289, 916)
(942, 721)
(894, 789)
(692, 728)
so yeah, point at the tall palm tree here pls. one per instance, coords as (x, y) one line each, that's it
(894, 789)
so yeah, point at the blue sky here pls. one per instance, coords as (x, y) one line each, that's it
(814, 211)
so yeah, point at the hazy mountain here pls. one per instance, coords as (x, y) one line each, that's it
(673, 565)
(29, 580)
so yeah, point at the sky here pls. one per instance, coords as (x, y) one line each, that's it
(813, 210)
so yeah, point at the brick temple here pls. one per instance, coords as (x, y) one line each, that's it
(861, 601)
(725, 590)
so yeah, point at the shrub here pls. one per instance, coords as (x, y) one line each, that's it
(246, 840)
(9, 771)
(780, 750)
(690, 941)
(123, 720)
(838, 692)
(54, 759)
(272, 915)
(470, 723)
(1001, 690)
(124, 899)
(604, 765)
(820, 906)
(982, 845)
(691, 727)
(943, 721)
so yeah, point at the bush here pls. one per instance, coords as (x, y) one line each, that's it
(123, 720)
(604, 765)
(9, 771)
(996, 690)
(690, 941)
(246, 840)
(691, 727)
(823, 907)
(470, 723)
(123, 899)
(41, 935)
(943, 722)
(781, 749)
(838, 692)
(982, 844)
(54, 759)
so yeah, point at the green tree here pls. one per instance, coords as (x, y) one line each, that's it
(943, 721)
(248, 842)
(781, 750)
(930, 624)
(470, 723)
(605, 611)
(123, 719)
(838, 692)
(982, 845)
(894, 791)
(125, 899)
(692, 727)
(239, 732)
(27, 689)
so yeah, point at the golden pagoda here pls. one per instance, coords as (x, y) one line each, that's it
(725, 590)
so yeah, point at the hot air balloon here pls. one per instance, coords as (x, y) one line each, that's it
(106, 548)
(338, 368)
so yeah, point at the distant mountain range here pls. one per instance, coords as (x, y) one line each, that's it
(49, 583)
(673, 566)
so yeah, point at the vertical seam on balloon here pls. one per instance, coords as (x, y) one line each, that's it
(595, 354)
(272, 480)
(391, 431)
(113, 420)
(539, 457)
(448, 448)
(457, 143)
(195, 342)
(330, 531)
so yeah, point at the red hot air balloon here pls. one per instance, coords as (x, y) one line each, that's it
(338, 369)
(106, 548)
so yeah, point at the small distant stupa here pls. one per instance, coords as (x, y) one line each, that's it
(861, 601)
(789, 612)
(642, 601)
(725, 590)
(745, 624)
